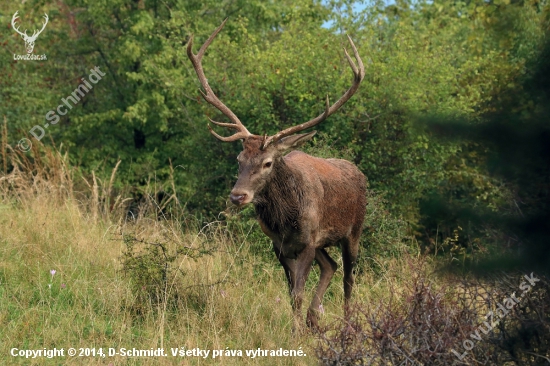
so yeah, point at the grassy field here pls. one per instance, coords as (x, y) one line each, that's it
(72, 277)
(77, 272)
(89, 302)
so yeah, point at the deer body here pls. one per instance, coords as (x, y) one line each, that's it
(311, 199)
(304, 204)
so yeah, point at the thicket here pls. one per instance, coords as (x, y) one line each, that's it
(427, 322)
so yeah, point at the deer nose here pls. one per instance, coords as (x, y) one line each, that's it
(238, 198)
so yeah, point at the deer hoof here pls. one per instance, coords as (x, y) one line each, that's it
(312, 319)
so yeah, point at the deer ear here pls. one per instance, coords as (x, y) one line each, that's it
(294, 141)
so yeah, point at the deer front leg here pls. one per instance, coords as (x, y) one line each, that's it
(302, 267)
(288, 266)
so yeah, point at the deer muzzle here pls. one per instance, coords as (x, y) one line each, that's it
(238, 198)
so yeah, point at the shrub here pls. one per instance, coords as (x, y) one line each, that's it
(422, 323)
(154, 272)
(384, 234)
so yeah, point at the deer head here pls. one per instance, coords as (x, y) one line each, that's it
(29, 40)
(262, 155)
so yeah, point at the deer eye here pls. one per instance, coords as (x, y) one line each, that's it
(268, 164)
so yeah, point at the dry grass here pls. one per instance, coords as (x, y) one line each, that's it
(433, 320)
(90, 299)
(230, 297)
(152, 282)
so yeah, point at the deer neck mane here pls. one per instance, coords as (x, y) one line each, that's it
(279, 203)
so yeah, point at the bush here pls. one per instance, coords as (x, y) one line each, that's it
(384, 234)
(154, 272)
(425, 324)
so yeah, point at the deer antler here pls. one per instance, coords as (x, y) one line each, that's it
(210, 97)
(36, 33)
(358, 75)
(24, 35)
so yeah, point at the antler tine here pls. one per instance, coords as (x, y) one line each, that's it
(15, 16)
(358, 75)
(209, 95)
(231, 138)
(44, 25)
(265, 142)
(228, 125)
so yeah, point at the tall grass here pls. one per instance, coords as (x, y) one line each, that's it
(226, 298)
(217, 290)
(83, 265)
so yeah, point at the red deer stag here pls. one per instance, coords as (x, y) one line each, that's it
(303, 203)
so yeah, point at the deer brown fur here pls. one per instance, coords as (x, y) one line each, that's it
(303, 203)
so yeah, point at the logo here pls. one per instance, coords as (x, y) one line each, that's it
(29, 40)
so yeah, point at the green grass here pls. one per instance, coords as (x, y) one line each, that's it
(235, 298)
(223, 287)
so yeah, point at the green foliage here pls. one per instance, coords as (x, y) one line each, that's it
(273, 65)
(384, 234)
(322, 146)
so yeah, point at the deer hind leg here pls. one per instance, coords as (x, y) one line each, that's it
(328, 267)
(350, 249)
(302, 268)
